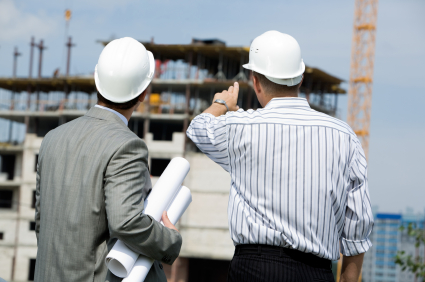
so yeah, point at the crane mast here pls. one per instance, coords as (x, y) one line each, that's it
(361, 71)
(361, 76)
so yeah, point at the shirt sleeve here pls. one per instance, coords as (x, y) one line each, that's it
(358, 216)
(209, 133)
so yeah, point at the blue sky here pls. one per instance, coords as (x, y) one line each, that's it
(323, 29)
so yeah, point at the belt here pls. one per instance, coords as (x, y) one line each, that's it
(275, 251)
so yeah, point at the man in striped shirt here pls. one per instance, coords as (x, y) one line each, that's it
(299, 193)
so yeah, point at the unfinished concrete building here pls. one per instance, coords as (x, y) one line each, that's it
(186, 78)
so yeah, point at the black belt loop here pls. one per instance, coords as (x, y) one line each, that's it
(238, 250)
(259, 250)
(281, 252)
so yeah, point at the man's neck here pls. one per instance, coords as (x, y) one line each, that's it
(126, 113)
(269, 98)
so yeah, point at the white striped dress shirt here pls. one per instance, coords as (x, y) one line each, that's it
(298, 177)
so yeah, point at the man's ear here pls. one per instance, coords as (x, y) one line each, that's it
(257, 85)
(143, 96)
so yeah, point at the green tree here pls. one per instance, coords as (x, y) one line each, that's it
(413, 264)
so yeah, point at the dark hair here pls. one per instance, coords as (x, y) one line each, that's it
(273, 88)
(120, 106)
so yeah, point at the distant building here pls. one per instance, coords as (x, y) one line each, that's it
(186, 79)
(387, 239)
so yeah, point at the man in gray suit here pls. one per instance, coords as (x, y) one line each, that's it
(92, 179)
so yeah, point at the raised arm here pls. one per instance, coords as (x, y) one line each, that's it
(125, 177)
(208, 130)
(230, 96)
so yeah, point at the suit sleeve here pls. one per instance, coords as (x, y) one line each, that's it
(125, 177)
(37, 202)
(358, 215)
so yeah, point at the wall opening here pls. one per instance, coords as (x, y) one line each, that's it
(6, 199)
(164, 130)
(33, 199)
(31, 270)
(32, 225)
(36, 162)
(7, 164)
(158, 166)
(41, 126)
(137, 126)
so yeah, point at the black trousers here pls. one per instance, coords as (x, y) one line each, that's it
(264, 263)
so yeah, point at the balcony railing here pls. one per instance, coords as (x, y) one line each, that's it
(157, 107)
(166, 102)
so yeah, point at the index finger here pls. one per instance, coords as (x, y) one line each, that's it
(235, 88)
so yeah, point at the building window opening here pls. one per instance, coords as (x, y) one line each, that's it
(163, 131)
(41, 126)
(32, 225)
(137, 126)
(36, 162)
(7, 165)
(158, 166)
(6, 199)
(1, 235)
(31, 271)
(33, 199)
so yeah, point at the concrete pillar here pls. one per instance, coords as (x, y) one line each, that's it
(186, 119)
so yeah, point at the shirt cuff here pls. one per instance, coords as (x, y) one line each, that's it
(352, 248)
(205, 115)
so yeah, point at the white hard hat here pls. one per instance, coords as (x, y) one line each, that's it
(277, 56)
(124, 70)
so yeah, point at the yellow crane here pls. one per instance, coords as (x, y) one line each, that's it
(361, 75)
(361, 71)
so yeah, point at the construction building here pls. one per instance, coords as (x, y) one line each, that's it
(186, 79)
(379, 262)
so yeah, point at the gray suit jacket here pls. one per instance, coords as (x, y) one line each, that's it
(92, 179)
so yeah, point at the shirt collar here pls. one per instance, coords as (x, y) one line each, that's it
(115, 112)
(287, 102)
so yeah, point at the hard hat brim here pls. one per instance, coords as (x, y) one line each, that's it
(142, 87)
(248, 66)
(254, 68)
(286, 81)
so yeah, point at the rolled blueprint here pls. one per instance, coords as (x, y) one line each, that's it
(143, 264)
(140, 270)
(120, 260)
(179, 205)
(166, 187)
